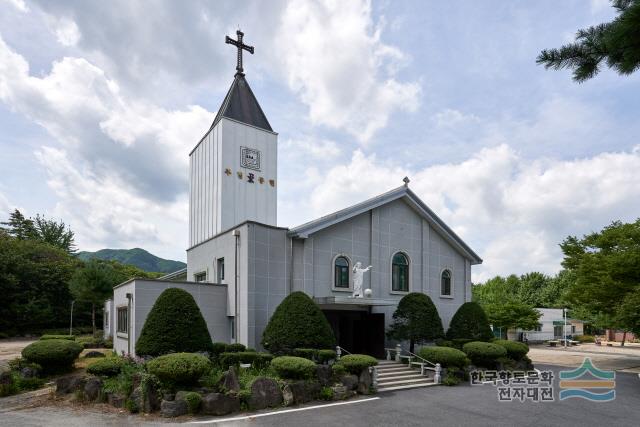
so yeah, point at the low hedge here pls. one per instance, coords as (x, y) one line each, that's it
(324, 356)
(585, 338)
(235, 348)
(292, 367)
(356, 363)
(447, 357)
(484, 353)
(58, 337)
(107, 367)
(307, 353)
(53, 355)
(218, 348)
(179, 368)
(515, 350)
(257, 360)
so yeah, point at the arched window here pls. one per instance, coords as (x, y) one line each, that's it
(400, 273)
(341, 272)
(445, 283)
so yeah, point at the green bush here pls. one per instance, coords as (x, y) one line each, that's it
(324, 356)
(484, 353)
(193, 400)
(58, 337)
(338, 371)
(444, 343)
(447, 357)
(233, 359)
(106, 367)
(515, 350)
(326, 393)
(179, 368)
(297, 323)
(217, 348)
(174, 324)
(19, 363)
(235, 348)
(416, 319)
(356, 363)
(307, 353)
(470, 321)
(451, 380)
(292, 367)
(585, 338)
(53, 355)
(262, 360)
(460, 342)
(90, 342)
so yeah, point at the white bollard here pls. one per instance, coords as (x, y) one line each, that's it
(388, 354)
(338, 352)
(436, 377)
(398, 351)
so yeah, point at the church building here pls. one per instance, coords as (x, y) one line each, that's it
(241, 264)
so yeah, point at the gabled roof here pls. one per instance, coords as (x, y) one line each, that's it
(241, 105)
(303, 231)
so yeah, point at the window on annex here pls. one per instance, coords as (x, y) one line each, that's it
(445, 283)
(341, 273)
(106, 319)
(538, 328)
(400, 273)
(123, 320)
(220, 270)
(200, 277)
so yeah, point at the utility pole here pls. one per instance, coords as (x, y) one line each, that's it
(564, 313)
(71, 319)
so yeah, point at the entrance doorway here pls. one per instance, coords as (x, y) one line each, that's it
(358, 331)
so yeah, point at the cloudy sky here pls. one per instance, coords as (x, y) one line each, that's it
(101, 102)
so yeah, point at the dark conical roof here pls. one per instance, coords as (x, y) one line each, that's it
(241, 105)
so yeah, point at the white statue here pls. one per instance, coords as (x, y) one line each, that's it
(358, 278)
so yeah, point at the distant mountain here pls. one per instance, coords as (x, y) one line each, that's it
(137, 257)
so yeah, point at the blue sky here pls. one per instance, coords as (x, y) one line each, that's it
(101, 102)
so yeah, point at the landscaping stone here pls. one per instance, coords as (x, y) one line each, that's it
(92, 389)
(219, 404)
(230, 381)
(91, 354)
(364, 382)
(340, 392)
(349, 381)
(323, 373)
(173, 408)
(169, 396)
(300, 392)
(265, 393)
(180, 395)
(6, 379)
(116, 400)
(28, 372)
(70, 383)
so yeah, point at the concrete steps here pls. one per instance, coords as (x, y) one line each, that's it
(397, 376)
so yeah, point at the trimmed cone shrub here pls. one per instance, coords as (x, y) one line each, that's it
(174, 324)
(179, 368)
(356, 363)
(416, 319)
(53, 355)
(515, 350)
(470, 322)
(292, 367)
(447, 357)
(106, 367)
(297, 323)
(484, 353)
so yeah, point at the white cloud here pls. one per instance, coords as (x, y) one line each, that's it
(322, 149)
(5, 206)
(513, 211)
(341, 69)
(19, 4)
(66, 31)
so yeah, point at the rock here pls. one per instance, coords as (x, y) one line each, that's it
(69, 384)
(136, 379)
(349, 381)
(323, 373)
(28, 372)
(116, 400)
(180, 395)
(219, 404)
(300, 392)
(92, 389)
(173, 408)
(204, 390)
(169, 396)
(340, 392)
(91, 354)
(364, 382)
(230, 381)
(265, 393)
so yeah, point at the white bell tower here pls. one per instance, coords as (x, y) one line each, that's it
(233, 169)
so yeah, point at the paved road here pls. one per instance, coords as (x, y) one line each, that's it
(441, 406)
(626, 359)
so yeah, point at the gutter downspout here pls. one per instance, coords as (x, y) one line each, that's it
(236, 233)
(129, 331)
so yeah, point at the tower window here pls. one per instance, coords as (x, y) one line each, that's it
(341, 273)
(220, 270)
(445, 283)
(400, 273)
(200, 277)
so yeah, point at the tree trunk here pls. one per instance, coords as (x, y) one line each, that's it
(624, 337)
(93, 317)
(411, 345)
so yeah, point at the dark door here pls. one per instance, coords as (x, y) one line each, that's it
(375, 335)
(358, 331)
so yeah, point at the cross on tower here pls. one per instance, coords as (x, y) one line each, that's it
(238, 44)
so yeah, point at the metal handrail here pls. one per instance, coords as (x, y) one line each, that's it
(340, 350)
(436, 366)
